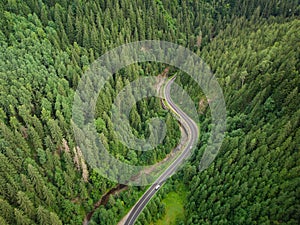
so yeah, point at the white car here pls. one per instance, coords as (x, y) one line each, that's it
(157, 186)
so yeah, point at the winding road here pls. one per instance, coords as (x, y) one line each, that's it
(192, 131)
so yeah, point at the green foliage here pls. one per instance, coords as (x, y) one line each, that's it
(45, 46)
(252, 181)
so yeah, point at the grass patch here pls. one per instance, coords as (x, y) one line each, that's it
(174, 202)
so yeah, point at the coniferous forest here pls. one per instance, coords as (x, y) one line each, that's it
(253, 49)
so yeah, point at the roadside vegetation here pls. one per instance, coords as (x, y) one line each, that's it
(253, 50)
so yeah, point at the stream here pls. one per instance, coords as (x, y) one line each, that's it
(103, 201)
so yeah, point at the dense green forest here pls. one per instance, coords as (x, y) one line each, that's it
(253, 50)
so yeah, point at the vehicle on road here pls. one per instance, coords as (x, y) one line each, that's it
(192, 130)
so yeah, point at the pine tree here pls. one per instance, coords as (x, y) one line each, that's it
(25, 204)
(22, 219)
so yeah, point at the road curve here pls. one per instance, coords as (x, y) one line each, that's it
(192, 130)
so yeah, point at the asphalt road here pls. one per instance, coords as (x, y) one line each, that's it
(192, 130)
